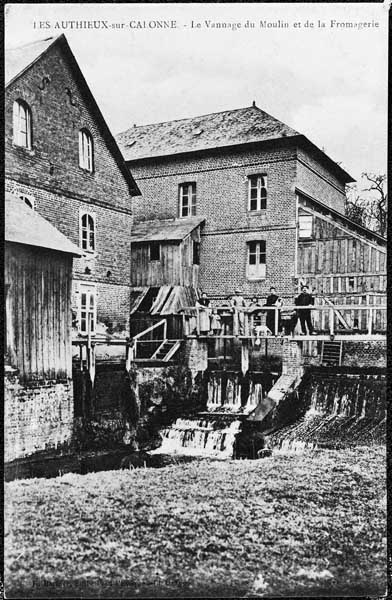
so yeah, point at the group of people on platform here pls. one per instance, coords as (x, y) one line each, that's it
(277, 322)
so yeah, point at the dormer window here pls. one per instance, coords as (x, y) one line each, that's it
(86, 150)
(257, 192)
(22, 124)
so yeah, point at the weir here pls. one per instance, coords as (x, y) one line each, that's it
(335, 410)
(328, 408)
(215, 431)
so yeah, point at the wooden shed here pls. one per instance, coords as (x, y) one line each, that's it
(166, 252)
(342, 263)
(336, 256)
(165, 272)
(38, 275)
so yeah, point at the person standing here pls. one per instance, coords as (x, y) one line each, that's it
(238, 303)
(215, 324)
(270, 320)
(203, 304)
(305, 299)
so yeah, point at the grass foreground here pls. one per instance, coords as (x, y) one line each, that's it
(305, 525)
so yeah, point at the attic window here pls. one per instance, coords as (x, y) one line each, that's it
(131, 143)
(86, 150)
(197, 132)
(22, 124)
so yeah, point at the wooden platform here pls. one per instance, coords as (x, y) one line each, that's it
(338, 337)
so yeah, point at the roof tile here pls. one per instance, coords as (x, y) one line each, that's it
(215, 130)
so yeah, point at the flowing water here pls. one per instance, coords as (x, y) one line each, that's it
(201, 437)
(214, 432)
(342, 410)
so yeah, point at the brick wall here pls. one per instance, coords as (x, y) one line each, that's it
(317, 181)
(222, 188)
(50, 172)
(364, 354)
(222, 198)
(223, 262)
(112, 248)
(292, 358)
(56, 125)
(355, 354)
(38, 416)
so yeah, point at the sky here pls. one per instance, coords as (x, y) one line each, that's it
(329, 83)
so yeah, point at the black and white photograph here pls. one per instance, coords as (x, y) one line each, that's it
(195, 276)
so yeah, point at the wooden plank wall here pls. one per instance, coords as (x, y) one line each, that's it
(355, 318)
(38, 315)
(190, 272)
(155, 273)
(174, 268)
(335, 262)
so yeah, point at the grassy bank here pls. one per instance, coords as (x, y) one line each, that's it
(288, 525)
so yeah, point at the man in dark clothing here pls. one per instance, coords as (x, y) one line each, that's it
(270, 318)
(305, 299)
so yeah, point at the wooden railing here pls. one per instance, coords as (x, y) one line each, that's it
(326, 318)
(139, 336)
(87, 346)
(329, 321)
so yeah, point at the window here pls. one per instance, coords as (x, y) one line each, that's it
(187, 199)
(86, 158)
(87, 313)
(88, 232)
(196, 253)
(256, 259)
(257, 192)
(29, 200)
(155, 251)
(22, 124)
(305, 226)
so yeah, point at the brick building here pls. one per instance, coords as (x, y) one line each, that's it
(263, 189)
(63, 161)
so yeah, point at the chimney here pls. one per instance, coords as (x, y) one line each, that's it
(254, 103)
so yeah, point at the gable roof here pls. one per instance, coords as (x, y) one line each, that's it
(25, 226)
(249, 125)
(164, 230)
(19, 60)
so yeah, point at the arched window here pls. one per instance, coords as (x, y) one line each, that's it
(22, 124)
(88, 232)
(86, 150)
